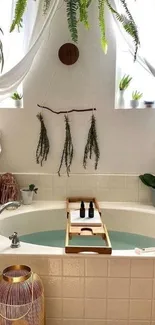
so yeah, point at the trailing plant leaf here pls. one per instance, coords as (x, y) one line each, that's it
(46, 6)
(72, 6)
(83, 9)
(148, 180)
(43, 144)
(89, 3)
(101, 7)
(1, 56)
(92, 144)
(18, 15)
(128, 23)
(68, 150)
(1, 53)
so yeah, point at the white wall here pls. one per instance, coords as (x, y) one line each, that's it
(127, 138)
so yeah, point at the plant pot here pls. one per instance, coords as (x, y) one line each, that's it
(121, 101)
(27, 196)
(134, 103)
(148, 104)
(18, 103)
(153, 196)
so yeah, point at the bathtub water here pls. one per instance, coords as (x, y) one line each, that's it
(119, 240)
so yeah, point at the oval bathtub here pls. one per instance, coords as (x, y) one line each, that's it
(51, 216)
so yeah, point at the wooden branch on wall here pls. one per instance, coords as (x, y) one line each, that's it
(69, 111)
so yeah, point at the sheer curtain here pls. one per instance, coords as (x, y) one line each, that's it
(21, 48)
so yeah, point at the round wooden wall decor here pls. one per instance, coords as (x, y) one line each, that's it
(68, 53)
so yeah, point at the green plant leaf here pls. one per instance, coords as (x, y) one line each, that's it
(46, 6)
(18, 15)
(127, 23)
(31, 187)
(72, 6)
(16, 96)
(92, 145)
(1, 56)
(148, 180)
(83, 10)
(104, 43)
(124, 82)
(136, 95)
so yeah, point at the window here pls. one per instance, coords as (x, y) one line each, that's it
(15, 44)
(143, 81)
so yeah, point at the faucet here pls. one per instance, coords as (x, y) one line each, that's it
(15, 240)
(4, 206)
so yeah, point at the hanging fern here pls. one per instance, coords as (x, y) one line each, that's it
(83, 10)
(68, 150)
(43, 144)
(132, 28)
(92, 144)
(128, 24)
(1, 53)
(46, 6)
(72, 6)
(18, 15)
(101, 7)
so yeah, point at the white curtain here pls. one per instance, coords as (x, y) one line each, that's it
(10, 80)
(143, 14)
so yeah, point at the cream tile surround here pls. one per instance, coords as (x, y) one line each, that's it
(106, 187)
(98, 290)
(101, 299)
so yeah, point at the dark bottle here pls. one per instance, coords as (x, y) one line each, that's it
(82, 210)
(91, 210)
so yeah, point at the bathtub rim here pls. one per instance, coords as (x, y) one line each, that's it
(26, 248)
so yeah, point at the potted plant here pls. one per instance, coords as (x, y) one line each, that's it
(149, 180)
(123, 85)
(17, 98)
(136, 96)
(28, 193)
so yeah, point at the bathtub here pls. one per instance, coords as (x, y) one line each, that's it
(86, 289)
(42, 216)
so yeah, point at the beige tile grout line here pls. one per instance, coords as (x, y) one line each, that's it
(84, 298)
(62, 293)
(151, 316)
(129, 293)
(106, 312)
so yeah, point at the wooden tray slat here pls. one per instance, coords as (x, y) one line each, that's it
(84, 229)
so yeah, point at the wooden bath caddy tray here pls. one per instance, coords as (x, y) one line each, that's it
(83, 228)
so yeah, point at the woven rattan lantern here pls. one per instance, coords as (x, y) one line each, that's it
(21, 297)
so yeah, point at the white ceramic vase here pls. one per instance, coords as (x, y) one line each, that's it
(134, 103)
(18, 103)
(27, 196)
(121, 100)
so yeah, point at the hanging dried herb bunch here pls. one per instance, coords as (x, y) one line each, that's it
(68, 150)
(43, 144)
(92, 144)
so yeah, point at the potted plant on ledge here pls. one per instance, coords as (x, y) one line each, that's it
(136, 96)
(28, 193)
(123, 85)
(149, 180)
(18, 99)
